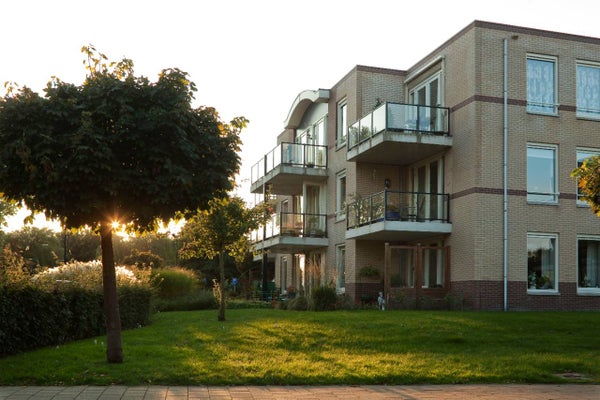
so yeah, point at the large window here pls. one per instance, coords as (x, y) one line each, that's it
(283, 274)
(542, 262)
(541, 85)
(541, 174)
(588, 90)
(340, 202)
(340, 255)
(582, 155)
(342, 123)
(588, 264)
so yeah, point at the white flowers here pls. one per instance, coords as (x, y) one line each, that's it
(83, 274)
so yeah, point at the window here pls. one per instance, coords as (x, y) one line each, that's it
(541, 174)
(588, 90)
(582, 155)
(588, 264)
(340, 202)
(542, 262)
(340, 256)
(342, 123)
(541, 85)
(427, 94)
(283, 274)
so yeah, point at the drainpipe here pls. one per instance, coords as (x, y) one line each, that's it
(505, 175)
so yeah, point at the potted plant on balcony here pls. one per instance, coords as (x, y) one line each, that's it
(314, 227)
(392, 212)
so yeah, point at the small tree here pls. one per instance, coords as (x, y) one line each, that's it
(588, 180)
(116, 148)
(218, 231)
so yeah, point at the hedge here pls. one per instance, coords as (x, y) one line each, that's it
(32, 317)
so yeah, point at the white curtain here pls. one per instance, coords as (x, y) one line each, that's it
(588, 89)
(593, 258)
(540, 85)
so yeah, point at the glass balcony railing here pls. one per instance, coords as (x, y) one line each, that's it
(399, 117)
(292, 154)
(292, 224)
(391, 205)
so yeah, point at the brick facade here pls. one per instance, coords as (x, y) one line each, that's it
(468, 71)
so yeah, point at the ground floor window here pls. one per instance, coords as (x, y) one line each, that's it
(542, 262)
(407, 260)
(340, 282)
(588, 264)
(283, 273)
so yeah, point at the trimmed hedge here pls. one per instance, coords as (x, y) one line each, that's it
(31, 317)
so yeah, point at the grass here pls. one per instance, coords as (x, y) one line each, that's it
(277, 347)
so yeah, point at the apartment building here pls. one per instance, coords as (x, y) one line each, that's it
(447, 180)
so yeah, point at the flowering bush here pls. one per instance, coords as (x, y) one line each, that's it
(88, 275)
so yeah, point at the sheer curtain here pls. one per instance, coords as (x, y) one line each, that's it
(588, 89)
(593, 258)
(540, 85)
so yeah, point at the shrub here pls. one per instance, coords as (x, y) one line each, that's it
(344, 302)
(174, 282)
(143, 259)
(34, 317)
(86, 275)
(323, 298)
(298, 303)
(199, 299)
(12, 271)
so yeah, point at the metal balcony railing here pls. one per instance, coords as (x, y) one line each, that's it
(391, 205)
(399, 117)
(292, 224)
(292, 154)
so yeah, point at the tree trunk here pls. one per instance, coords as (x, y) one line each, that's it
(114, 350)
(222, 300)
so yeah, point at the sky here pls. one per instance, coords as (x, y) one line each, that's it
(252, 58)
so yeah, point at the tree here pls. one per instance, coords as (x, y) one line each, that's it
(588, 180)
(40, 247)
(221, 230)
(115, 148)
(7, 208)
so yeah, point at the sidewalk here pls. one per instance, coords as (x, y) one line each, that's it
(417, 392)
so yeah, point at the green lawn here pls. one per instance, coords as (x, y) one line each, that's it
(276, 347)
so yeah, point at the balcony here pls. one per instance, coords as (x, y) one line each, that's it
(285, 168)
(291, 233)
(399, 134)
(398, 216)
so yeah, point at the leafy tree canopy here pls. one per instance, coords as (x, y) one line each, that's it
(588, 179)
(117, 147)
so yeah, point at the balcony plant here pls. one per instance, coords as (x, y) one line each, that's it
(392, 212)
(369, 271)
(314, 227)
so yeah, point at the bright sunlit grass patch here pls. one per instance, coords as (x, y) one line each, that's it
(265, 346)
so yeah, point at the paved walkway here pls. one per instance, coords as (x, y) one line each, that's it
(417, 392)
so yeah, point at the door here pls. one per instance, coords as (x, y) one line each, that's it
(427, 187)
(427, 95)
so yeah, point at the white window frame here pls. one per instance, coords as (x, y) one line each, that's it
(583, 290)
(342, 123)
(283, 279)
(426, 83)
(590, 152)
(340, 200)
(340, 263)
(533, 197)
(534, 290)
(581, 111)
(537, 107)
